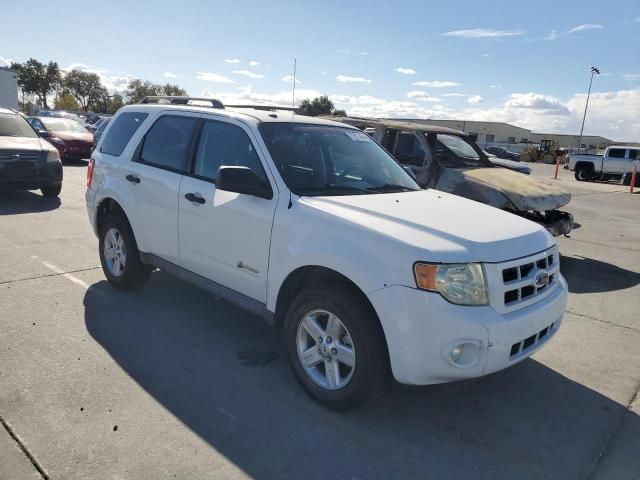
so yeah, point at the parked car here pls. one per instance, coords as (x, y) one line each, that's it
(450, 161)
(502, 152)
(312, 225)
(615, 162)
(61, 114)
(72, 140)
(27, 161)
(510, 164)
(102, 124)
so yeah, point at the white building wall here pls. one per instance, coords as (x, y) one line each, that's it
(8, 88)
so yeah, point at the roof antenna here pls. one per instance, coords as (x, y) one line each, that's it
(293, 97)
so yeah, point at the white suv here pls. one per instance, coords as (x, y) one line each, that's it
(315, 227)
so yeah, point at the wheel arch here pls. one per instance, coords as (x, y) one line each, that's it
(108, 205)
(585, 165)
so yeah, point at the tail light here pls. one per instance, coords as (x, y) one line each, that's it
(92, 164)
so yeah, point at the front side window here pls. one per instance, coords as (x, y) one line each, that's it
(320, 160)
(456, 152)
(13, 125)
(167, 141)
(616, 153)
(123, 128)
(223, 144)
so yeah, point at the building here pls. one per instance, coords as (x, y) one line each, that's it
(8, 88)
(515, 138)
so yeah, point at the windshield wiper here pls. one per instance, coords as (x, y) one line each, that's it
(331, 189)
(391, 187)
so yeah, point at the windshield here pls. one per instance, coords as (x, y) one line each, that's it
(319, 160)
(13, 125)
(63, 125)
(456, 152)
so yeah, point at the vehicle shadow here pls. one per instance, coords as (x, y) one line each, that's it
(14, 202)
(586, 275)
(219, 371)
(76, 163)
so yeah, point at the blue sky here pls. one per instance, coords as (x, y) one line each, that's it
(520, 62)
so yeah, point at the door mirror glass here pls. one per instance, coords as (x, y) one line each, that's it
(44, 133)
(242, 180)
(410, 171)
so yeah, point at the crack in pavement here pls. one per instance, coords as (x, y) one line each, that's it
(45, 275)
(590, 317)
(24, 449)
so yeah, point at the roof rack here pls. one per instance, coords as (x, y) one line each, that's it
(267, 108)
(173, 100)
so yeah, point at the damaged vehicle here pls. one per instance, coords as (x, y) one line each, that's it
(447, 160)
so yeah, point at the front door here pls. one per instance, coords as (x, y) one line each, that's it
(225, 236)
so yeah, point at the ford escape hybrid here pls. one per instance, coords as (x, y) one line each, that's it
(313, 226)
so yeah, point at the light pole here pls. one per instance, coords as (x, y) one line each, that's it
(594, 71)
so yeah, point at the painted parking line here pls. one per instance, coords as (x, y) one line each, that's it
(61, 272)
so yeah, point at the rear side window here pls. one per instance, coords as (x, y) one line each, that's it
(223, 144)
(616, 153)
(123, 128)
(167, 142)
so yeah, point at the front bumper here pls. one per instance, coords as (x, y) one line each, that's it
(30, 175)
(421, 328)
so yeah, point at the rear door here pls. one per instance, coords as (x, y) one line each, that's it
(153, 180)
(225, 236)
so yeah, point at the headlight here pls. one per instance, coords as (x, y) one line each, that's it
(460, 284)
(57, 140)
(53, 155)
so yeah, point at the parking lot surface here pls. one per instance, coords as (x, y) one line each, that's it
(169, 382)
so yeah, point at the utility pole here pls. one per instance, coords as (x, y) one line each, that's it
(293, 95)
(594, 71)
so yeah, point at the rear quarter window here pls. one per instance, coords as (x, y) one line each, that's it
(121, 131)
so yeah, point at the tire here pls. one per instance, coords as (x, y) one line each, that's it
(358, 327)
(51, 190)
(548, 158)
(582, 174)
(126, 271)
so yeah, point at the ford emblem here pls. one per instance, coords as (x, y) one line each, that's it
(542, 279)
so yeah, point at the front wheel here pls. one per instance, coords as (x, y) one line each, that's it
(119, 255)
(582, 175)
(336, 347)
(52, 190)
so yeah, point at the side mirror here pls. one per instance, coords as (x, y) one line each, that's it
(410, 171)
(44, 133)
(242, 180)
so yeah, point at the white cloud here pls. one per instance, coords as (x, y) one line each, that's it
(231, 60)
(535, 101)
(455, 95)
(405, 71)
(253, 63)
(351, 51)
(247, 96)
(474, 99)
(631, 77)
(585, 26)
(482, 33)
(5, 62)
(348, 79)
(437, 84)
(289, 79)
(552, 35)
(487, 55)
(363, 53)
(495, 86)
(169, 75)
(213, 77)
(248, 73)
(422, 95)
(114, 82)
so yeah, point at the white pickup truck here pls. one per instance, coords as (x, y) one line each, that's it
(615, 162)
(313, 226)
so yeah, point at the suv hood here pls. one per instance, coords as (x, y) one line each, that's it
(23, 143)
(81, 137)
(503, 188)
(450, 228)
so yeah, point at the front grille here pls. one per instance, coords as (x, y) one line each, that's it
(528, 343)
(24, 155)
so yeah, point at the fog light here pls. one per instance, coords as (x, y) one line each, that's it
(457, 352)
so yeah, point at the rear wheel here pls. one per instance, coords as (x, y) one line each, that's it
(119, 254)
(51, 190)
(335, 346)
(548, 158)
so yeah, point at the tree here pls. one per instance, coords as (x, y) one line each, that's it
(138, 89)
(37, 78)
(320, 106)
(115, 103)
(65, 101)
(85, 87)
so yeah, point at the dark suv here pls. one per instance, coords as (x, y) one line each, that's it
(26, 160)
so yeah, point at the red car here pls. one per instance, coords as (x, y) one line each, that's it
(71, 139)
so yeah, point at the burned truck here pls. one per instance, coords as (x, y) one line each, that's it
(448, 160)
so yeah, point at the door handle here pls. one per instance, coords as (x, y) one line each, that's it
(193, 197)
(132, 178)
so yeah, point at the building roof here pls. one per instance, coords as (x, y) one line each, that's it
(400, 124)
